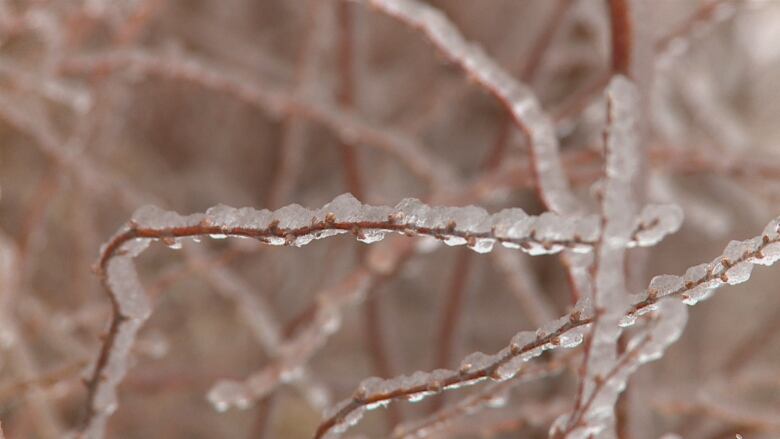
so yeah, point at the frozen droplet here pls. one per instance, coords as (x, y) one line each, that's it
(483, 245)
(371, 236)
(274, 240)
(571, 338)
(302, 240)
(455, 240)
(417, 397)
(499, 400)
(220, 406)
(173, 243)
(427, 244)
(509, 369)
(378, 404)
(226, 394)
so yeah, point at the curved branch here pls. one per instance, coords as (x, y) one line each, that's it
(519, 100)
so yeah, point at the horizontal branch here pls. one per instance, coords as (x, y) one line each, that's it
(294, 225)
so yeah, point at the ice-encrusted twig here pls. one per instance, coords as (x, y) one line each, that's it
(548, 171)
(288, 362)
(589, 420)
(258, 317)
(609, 283)
(295, 225)
(493, 395)
(350, 127)
(698, 282)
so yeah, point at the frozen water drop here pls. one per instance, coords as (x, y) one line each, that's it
(483, 245)
(226, 394)
(172, 243)
(371, 236)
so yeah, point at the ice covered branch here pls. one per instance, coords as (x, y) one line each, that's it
(596, 410)
(608, 274)
(493, 395)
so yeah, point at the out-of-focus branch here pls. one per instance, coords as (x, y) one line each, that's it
(348, 126)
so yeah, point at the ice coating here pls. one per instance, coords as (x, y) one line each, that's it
(566, 332)
(153, 217)
(130, 296)
(297, 225)
(644, 347)
(619, 215)
(655, 222)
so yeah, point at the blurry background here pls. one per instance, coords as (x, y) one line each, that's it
(106, 106)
